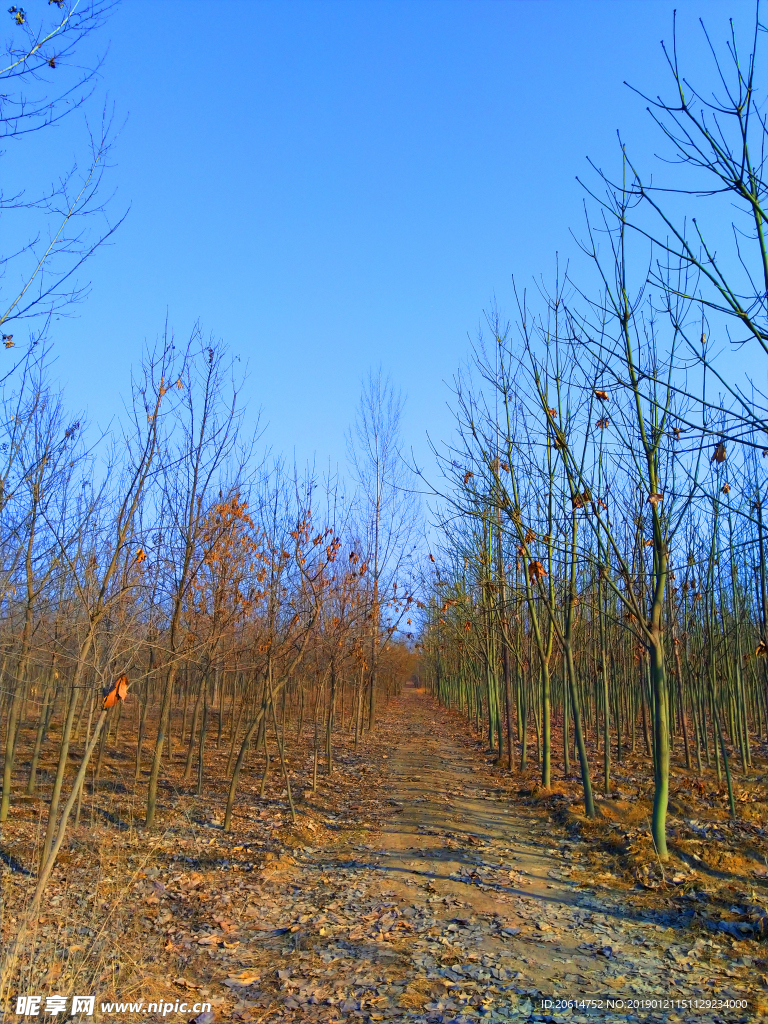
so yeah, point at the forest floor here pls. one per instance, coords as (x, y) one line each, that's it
(419, 884)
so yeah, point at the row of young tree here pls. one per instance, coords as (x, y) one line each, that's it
(236, 602)
(232, 599)
(603, 552)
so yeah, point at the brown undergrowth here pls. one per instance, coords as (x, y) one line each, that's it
(127, 913)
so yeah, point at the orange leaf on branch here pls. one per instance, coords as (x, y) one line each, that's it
(536, 571)
(116, 692)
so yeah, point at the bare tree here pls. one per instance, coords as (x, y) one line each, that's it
(47, 74)
(388, 512)
(198, 454)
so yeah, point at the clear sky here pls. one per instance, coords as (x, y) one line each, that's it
(330, 185)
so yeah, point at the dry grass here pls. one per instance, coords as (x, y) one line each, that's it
(104, 928)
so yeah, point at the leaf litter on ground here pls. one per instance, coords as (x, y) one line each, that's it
(413, 887)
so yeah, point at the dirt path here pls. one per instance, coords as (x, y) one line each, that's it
(414, 887)
(505, 892)
(429, 896)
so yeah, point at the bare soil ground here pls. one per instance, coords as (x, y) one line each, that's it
(417, 885)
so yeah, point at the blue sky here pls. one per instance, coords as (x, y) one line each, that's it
(331, 185)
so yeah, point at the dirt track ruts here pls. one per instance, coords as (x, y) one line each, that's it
(507, 891)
